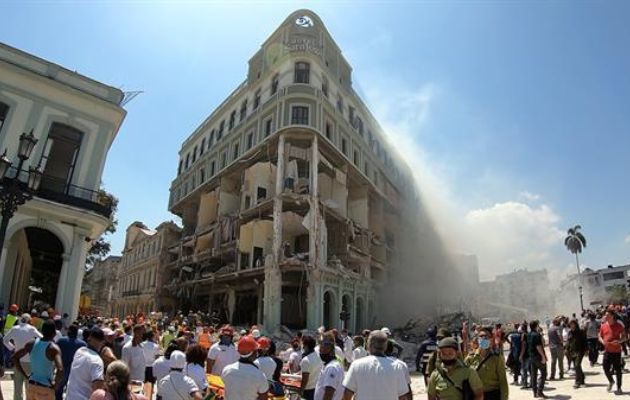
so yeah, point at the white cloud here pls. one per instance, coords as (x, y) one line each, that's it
(627, 239)
(529, 196)
(514, 235)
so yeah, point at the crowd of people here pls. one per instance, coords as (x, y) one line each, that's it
(191, 356)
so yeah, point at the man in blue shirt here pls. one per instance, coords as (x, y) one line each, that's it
(68, 346)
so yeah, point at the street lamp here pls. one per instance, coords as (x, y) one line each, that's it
(14, 192)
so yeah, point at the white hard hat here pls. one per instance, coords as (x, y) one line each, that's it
(178, 360)
(386, 331)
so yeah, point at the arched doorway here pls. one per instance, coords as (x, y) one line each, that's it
(36, 267)
(358, 313)
(330, 308)
(346, 308)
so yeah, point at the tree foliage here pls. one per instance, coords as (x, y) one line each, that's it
(101, 247)
(575, 240)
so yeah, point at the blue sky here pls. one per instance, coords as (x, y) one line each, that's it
(515, 116)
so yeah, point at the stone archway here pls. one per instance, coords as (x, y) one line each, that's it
(359, 317)
(36, 259)
(346, 305)
(330, 310)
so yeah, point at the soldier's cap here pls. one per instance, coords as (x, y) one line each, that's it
(448, 342)
(443, 333)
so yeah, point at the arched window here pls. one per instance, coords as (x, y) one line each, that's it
(4, 111)
(302, 72)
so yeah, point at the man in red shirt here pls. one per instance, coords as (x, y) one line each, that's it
(611, 334)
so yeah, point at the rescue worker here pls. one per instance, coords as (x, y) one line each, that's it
(490, 366)
(435, 357)
(427, 348)
(446, 382)
(393, 348)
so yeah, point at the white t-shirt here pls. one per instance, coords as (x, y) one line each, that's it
(198, 374)
(161, 368)
(311, 365)
(222, 356)
(87, 367)
(151, 352)
(243, 381)
(267, 365)
(177, 386)
(20, 334)
(404, 368)
(359, 353)
(347, 348)
(331, 375)
(133, 356)
(294, 361)
(376, 378)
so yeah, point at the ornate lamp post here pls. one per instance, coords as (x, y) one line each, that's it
(13, 191)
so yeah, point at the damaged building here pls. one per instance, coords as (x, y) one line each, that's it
(289, 194)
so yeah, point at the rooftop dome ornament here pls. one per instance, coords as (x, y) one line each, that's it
(304, 21)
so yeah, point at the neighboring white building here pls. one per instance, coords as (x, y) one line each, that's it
(75, 120)
(597, 285)
(518, 294)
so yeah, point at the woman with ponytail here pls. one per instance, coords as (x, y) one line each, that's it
(116, 384)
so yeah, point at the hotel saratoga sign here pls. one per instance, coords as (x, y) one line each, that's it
(304, 45)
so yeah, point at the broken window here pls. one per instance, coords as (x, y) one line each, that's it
(259, 260)
(261, 194)
(268, 127)
(232, 120)
(221, 128)
(250, 140)
(235, 151)
(4, 110)
(256, 99)
(243, 110)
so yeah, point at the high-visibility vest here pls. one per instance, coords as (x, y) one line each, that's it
(9, 322)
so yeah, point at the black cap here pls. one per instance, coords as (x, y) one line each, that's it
(96, 333)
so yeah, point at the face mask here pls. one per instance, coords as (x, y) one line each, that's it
(448, 363)
(484, 344)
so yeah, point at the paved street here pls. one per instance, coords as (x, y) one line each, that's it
(560, 390)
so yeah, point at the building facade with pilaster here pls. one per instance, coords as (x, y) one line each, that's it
(289, 193)
(75, 120)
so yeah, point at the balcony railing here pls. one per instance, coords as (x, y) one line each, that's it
(58, 190)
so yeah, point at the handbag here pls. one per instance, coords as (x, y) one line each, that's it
(465, 390)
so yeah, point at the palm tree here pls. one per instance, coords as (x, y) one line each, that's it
(575, 242)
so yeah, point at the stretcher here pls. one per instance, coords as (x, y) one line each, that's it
(218, 388)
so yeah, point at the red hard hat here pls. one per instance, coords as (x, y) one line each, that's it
(13, 307)
(264, 343)
(247, 345)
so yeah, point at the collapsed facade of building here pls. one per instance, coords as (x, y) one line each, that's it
(289, 195)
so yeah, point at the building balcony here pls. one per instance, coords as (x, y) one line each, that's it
(57, 190)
